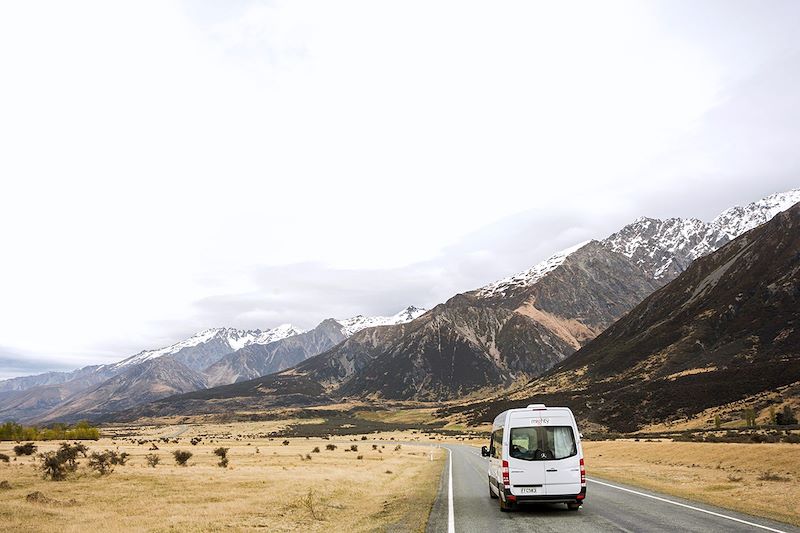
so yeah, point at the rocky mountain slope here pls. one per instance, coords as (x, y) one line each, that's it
(258, 360)
(212, 357)
(141, 383)
(665, 248)
(518, 327)
(726, 329)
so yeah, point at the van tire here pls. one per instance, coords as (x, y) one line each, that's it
(573, 506)
(492, 495)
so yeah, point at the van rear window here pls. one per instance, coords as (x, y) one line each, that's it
(542, 443)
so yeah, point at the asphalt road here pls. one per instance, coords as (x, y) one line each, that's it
(609, 506)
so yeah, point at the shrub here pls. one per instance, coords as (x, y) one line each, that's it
(786, 418)
(5, 485)
(769, 476)
(52, 466)
(308, 457)
(152, 459)
(364, 437)
(315, 450)
(309, 502)
(397, 448)
(68, 454)
(195, 441)
(285, 443)
(101, 462)
(792, 438)
(153, 447)
(222, 453)
(25, 449)
(330, 447)
(353, 447)
(181, 457)
(374, 446)
(5, 458)
(360, 457)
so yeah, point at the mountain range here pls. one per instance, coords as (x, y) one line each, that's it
(507, 332)
(212, 357)
(725, 331)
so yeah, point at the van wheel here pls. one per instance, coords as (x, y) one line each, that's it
(492, 495)
(573, 506)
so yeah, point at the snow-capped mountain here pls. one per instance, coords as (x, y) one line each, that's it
(228, 340)
(665, 248)
(359, 322)
(528, 277)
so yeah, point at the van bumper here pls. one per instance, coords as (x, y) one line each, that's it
(546, 498)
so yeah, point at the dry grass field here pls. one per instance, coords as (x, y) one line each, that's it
(267, 486)
(759, 479)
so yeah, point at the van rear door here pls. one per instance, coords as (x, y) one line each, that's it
(562, 468)
(526, 474)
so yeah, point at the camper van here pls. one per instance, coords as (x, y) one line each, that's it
(535, 456)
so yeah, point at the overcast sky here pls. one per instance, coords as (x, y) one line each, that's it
(172, 166)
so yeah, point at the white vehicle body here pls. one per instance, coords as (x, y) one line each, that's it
(535, 456)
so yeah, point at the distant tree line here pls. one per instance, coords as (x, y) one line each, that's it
(17, 432)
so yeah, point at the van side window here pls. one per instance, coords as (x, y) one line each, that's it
(497, 444)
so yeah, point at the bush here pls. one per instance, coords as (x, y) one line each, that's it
(311, 505)
(25, 449)
(5, 458)
(101, 462)
(285, 443)
(360, 457)
(222, 453)
(353, 447)
(374, 446)
(792, 438)
(195, 441)
(68, 454)
(769, 476)
(52, 466)
(397, 448)
(315, 450)
(364, 437)
(181, 457)
(152, 459)
(330, 447)
(786, 417)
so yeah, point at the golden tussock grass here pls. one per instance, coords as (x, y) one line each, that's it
(276, 489)
(726, 475)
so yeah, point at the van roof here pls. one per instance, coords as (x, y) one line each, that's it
(534, 407)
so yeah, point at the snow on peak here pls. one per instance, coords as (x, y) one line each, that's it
(664, 248)
(737, 220)
(531, 276)
(234, 338)
(357, 323)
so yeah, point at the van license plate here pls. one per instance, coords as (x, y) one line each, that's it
(527, 490)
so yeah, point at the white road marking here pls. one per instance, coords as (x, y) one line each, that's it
(687, 506)
(451, 526)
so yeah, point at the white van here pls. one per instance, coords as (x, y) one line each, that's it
(535, 456)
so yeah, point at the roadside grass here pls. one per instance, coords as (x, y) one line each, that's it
(266, 486)
(757, 479)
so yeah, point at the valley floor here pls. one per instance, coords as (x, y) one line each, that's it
(757, 479)
(267, 485)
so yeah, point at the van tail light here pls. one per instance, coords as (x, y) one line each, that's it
(583, 473)
(506, 480)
